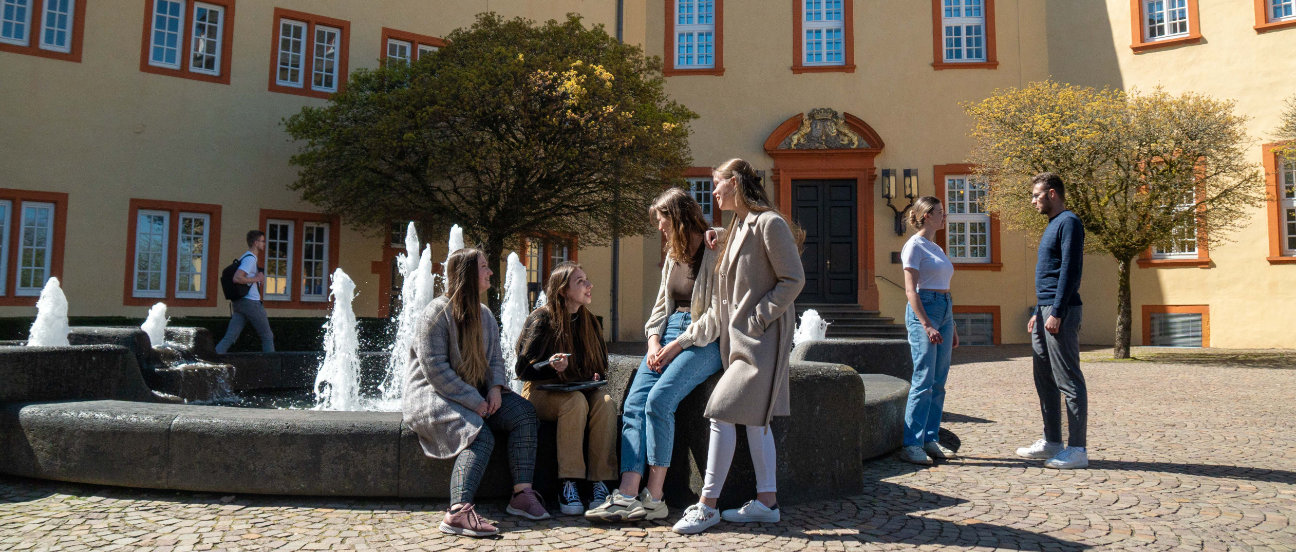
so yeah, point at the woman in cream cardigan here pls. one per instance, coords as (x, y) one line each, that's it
(682, 353)
(456, 392)
(759, 275)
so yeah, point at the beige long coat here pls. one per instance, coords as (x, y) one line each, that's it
(760, 278)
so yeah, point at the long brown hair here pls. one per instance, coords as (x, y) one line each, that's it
(584, 331)
(684, 215)
(465, 306)
(752, 194)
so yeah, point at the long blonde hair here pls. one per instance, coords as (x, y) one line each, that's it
(684, 215)
(465, 306)
(752, 194)
(584, 332)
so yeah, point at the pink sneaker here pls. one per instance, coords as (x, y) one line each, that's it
(466, 522)
(528, 504)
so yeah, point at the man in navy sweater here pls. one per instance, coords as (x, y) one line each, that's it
(1055, 326)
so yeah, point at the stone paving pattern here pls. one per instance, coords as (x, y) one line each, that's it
(1191, 457)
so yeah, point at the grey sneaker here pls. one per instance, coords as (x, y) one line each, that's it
(915, 454)
(697, 518)
(652, 508)
(1040, 450)
(752, 512)
(615, 508)
(936, 450)
(1070, 458)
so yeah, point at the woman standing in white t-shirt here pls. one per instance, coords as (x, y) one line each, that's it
(929, 318)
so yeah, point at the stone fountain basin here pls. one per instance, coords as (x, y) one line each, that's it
(93, 432)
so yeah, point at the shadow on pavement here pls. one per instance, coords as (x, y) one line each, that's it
(1203, 470)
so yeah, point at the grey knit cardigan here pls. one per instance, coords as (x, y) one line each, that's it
(438, 405)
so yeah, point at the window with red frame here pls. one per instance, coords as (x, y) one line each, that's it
(189, 39)
(45, 28)
(310, 54)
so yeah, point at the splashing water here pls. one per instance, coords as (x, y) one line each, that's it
(155, 325)
(51, 326)
(513, 314)
(337, 385)
(812, 328)
(541, 300)
(405, 314)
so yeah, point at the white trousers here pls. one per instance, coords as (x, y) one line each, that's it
(720, 451)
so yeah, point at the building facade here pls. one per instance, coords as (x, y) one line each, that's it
(142, 139)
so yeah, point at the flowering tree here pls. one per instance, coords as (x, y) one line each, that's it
(1139, 169)
(510, 130)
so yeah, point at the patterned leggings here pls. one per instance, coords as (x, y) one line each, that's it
(515, 416)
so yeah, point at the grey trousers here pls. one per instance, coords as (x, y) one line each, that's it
(243, 311)
(1057, 371)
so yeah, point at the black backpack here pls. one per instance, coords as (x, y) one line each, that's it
(232, 289)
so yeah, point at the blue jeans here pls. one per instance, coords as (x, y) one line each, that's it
(931, 364)
(648, 422)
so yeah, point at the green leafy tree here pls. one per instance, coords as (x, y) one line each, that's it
(1138, 167)
(511, 129)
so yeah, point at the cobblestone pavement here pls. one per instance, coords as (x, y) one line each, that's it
(1182, 457)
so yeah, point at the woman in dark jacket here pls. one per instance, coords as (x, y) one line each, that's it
(563, 342)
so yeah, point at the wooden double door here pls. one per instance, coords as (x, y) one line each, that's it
(828, 212)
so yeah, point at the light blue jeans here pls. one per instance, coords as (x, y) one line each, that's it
(931, 364)
(648, 420)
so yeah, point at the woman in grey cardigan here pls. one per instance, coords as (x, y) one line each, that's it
(682, 353)
(759, 277)
(456, 393)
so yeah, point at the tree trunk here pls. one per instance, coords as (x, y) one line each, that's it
(1122, 347)
(494, 251)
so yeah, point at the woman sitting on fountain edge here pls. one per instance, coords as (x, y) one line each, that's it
(456, 393)
(565, 334)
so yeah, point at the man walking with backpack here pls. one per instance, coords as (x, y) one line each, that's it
(243, 288)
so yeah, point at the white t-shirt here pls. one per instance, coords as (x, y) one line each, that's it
(248, 266)
(934, 268)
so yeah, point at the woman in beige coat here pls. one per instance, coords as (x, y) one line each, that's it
(760, 275)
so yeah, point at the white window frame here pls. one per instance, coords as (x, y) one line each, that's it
(1276, 6)
(424, 49)
(964, 209)
(1165, 10)
(183, 270)
(285, 257)
(701, 187)
(23, 21)
(296, 46)
(959, 18)
(53, 14)
(1183, 241)
(214, 38)
(398, 45)
(6, 218)
(141, 232)
(154, 47)
(691, 29)
(48, 231)
(307, 244)
(1287, 205)
(324, 66)
(818, 32)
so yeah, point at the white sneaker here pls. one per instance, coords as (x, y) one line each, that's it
(1040, 450)
(569, 500)
(936, 450)
(915, 454)
(1069, 459)
(752, 512)
(697, 518)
